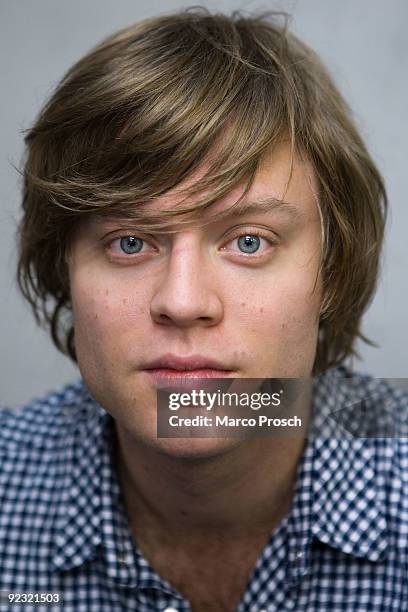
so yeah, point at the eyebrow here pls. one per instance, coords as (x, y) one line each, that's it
(266, 204)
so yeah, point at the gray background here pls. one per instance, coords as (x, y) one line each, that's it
(363, 42)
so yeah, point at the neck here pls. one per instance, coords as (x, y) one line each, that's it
(244, 490)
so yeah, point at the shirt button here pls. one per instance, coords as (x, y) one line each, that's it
(124, 559)
(299, 554)
(170, 610)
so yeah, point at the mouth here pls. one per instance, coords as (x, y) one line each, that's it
(166, 379)
(182, 370)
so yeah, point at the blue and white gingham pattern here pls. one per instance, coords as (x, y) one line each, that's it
(343, 546)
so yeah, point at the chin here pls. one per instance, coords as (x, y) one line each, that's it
(194, 449)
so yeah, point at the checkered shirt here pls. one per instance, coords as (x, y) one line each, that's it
(342, 547)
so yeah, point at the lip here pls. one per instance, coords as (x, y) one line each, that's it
(193, 363)
(186, 371)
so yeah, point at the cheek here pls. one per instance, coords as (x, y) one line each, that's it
(104, 312)
(285, 315)
(284, 303)
(279, 323)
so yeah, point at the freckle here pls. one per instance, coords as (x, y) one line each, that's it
(261, 309)
(243, 304)
(124, 301)
(95, 316)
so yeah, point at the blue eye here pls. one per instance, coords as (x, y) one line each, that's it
(249, 243)
(131, 245)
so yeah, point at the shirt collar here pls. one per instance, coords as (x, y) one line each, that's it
(338, 500)
(348, 509)
(91, 516)
(78, 520)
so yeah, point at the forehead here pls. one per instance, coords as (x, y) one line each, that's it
(284, 182)
(280, 175)
(284, 185)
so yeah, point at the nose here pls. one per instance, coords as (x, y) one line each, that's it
(186, 294)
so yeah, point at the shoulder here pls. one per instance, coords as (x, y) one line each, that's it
(44, 423)
(360, 466)
(372, 413)
(381, 406)
(376, 389)
(43, 445)
(361, 405)
(49, 459)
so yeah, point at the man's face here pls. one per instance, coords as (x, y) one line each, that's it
(244, 291)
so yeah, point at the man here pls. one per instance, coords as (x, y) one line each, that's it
(198, 204)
